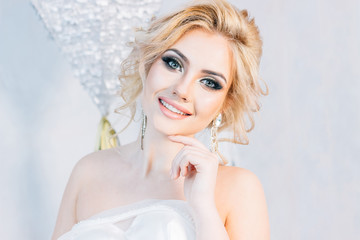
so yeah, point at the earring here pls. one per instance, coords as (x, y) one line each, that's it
(215, 125)
(143, 128)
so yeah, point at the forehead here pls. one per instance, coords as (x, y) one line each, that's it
(204, 50)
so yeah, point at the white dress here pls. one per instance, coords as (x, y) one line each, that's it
(148, 219)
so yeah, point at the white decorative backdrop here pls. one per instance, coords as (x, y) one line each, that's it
(305, 147)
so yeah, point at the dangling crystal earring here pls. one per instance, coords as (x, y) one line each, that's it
(143, 128)
(215, 125)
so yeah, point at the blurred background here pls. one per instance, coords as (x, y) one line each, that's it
(305, 147)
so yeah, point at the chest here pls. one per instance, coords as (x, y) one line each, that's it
(111, 193)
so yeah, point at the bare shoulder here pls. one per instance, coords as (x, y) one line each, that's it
(247, 215)
(99, 159)
(101, 162)
(238, 180)
(87, 170)
(238, 185)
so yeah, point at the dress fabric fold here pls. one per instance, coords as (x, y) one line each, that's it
(148, 219)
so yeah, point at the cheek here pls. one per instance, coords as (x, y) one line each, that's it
(156, 80)
(209, 106)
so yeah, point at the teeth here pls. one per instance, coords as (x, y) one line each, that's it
(171, 108)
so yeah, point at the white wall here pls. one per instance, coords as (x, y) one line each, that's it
(304, 148)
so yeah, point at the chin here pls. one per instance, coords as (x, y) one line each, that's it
(175, 127)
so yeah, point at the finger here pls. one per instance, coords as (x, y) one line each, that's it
(184, 167)
(203, 151)
(187, 141)
(175, 165)
(187, 157)
(193, 156)
(189, 169)
(175, 170)
(175, 173)
(179, 164)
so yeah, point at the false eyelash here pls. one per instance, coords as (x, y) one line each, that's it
(167, 60)
(217, 86)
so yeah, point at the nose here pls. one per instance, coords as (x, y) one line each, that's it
(183, 89)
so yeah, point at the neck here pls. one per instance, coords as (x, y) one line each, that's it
(158, 152)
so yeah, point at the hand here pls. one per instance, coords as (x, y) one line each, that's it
(199, 166)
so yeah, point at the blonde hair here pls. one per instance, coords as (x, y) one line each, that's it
(217, 16)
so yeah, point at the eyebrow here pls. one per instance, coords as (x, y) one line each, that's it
(187, 61)
(214, 73)
(180, 54)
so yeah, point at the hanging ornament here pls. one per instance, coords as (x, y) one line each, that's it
(92, 34)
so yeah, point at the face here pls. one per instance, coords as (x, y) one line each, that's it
(186, 86)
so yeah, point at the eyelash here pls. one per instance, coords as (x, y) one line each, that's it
(169, 60)
(212, 84)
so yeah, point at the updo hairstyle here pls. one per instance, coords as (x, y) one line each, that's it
(213, 16)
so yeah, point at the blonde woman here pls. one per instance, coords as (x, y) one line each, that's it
(194, 69)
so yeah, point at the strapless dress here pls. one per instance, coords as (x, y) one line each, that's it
(145, 220)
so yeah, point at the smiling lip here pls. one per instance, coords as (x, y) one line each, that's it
(171, 114)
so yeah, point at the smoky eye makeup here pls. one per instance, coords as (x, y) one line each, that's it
(172, 62)
(211, 83)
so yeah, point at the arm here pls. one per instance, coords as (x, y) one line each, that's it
(67, 212)
(208, 223)
(199, 166)
(248, 217)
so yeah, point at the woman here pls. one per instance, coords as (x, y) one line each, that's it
(194, 69)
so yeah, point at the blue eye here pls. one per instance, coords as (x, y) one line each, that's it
(172, 63)
(210, 83)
